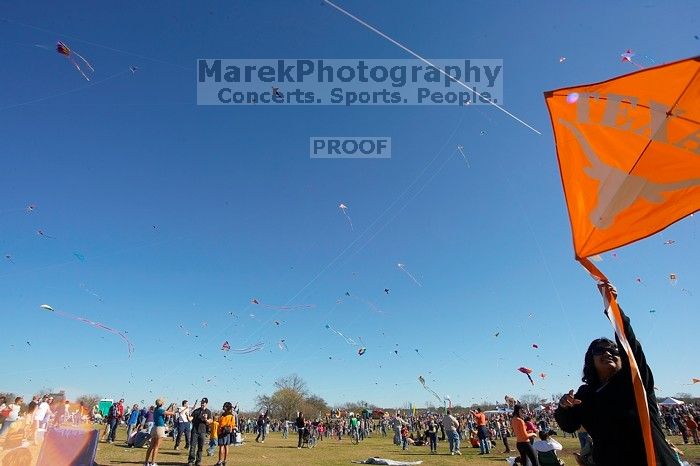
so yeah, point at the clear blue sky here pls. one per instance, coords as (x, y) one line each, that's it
(241, 211)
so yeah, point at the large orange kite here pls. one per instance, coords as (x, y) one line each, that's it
(629, 157)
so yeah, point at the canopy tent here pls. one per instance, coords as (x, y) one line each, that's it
(671, 402)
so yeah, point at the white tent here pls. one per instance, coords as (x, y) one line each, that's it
(671, 402)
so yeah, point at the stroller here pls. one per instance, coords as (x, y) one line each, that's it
(309, 436)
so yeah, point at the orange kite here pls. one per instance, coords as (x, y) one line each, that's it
(629, 158)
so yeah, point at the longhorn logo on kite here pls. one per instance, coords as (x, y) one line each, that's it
(619, 190)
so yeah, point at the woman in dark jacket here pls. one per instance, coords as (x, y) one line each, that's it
(605, 405)
(300, 423)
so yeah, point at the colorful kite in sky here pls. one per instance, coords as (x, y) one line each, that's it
(627, 57)
(63, 49)
(225, 346)
(628, 157)
(421, 379)
(98, 325)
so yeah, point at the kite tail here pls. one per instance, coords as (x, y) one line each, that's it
(77, 67)
(349, 220)
(412, 277)
(640, 394)
(84, 60)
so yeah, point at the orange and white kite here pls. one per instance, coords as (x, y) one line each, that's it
(629, 158)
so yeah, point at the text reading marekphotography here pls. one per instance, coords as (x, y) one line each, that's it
(348, 82)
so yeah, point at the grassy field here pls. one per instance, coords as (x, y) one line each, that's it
(283, 452)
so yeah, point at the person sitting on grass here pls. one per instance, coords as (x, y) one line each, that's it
(474, 438)
(546, 448)
(138, 438)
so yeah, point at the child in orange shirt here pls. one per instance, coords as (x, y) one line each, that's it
(227, 423)
(213, 436)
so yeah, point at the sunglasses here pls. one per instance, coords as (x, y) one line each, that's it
(602, 350)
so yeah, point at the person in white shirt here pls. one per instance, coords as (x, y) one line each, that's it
(42, 413)
(12, 416)
(547, 448)
(183, 420)
(451, 424)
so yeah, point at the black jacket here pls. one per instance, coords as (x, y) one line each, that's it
(609, 414)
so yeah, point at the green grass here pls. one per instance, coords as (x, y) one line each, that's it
(283, 452)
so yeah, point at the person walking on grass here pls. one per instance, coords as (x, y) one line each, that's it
(261, 425)
(451, 424)
(157, 433)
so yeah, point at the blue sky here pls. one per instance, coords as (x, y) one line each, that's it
(183, 213)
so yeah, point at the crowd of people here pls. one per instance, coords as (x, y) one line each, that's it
(600, 414)
(526, 434)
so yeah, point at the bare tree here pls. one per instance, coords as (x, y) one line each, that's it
(293, 382)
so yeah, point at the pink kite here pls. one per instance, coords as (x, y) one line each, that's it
(98, 325)
(226, 346)
(627, 57)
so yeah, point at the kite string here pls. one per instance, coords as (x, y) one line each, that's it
(374, 222)
(378, 218)
(94, 44)
(539, 247)
(398, 44)
(70, 91)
